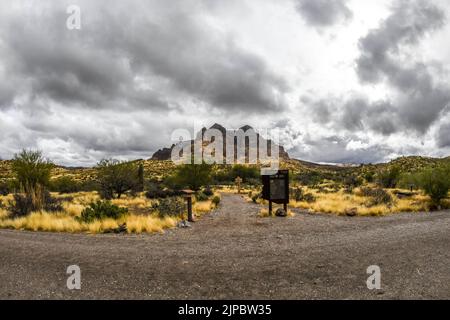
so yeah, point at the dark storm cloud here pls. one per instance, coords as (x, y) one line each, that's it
(421, 98)
(6, 94)
(443, 137)
(97, 67)
(324, 13)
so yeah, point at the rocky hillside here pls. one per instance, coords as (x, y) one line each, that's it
(165, 153)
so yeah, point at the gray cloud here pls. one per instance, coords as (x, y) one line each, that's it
(420, 97)
(324, 13)
(334, 149)
(99, 65)
(443, 136)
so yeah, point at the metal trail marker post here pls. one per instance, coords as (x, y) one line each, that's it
(276, 189)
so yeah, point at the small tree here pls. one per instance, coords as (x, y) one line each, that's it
(389, 177)
(139, 185)
(435, 182)
(116, 177)
(32, 172)
(193, 176)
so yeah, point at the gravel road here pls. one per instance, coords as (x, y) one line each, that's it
(233, 254)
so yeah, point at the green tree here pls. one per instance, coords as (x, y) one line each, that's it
(435, 182)
(245, 172)
(389, 177)
(32, 172)
(193, 176)
(116, 177)
(139, 187)
(65, 184)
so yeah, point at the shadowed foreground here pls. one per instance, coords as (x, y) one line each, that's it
(233, 254)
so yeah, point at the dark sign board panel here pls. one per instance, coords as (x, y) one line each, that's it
(276, 187)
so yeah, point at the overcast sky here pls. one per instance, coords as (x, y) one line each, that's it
(345, 81)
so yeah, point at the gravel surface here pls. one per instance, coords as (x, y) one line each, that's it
(233, 254)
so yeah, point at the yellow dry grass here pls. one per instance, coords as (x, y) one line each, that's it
(340, 203)
(137, 202)
(65, 221)
(140, 224)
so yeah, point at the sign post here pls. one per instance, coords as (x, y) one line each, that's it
(188, 197)
(238, 182)
(276, 189)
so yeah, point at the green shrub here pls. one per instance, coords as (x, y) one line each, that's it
(172, 207)
(389, 177)
(378, 196)
(309, 197)
(117, 177)
(65, 185)
(298, 195)
(6, 187)
(201, 196)
(192, 176)
(435, 182)
(208, 192)
(216, 200)
(23, 205)
(32, 173)
(101, 210)
(156, 191)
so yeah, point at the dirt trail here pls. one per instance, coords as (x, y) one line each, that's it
(236, 255)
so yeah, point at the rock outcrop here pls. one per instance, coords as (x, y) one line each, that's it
(165, 153)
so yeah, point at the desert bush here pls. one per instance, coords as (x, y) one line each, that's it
(309, 178)
(200, 196)
(23, 205)
(32, 172)
(65, 185)
(139, 185)
(116, 177)
(435, 182)
(208, 191)
(6, 187)
(352, 181)
(377, 196)
(256, 197)
(170, 207)
(193, 176)
(298, 195)
(156, 191)
(389, 177)
(309, 197)
(101, 210)
(369, 176)
(216, 200)
(247, 173)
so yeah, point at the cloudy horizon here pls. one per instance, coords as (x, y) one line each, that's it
(346, 81)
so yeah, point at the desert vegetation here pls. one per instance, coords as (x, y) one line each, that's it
(116, 198)
(147, 196)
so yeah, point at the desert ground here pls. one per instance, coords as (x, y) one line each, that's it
(232, 253)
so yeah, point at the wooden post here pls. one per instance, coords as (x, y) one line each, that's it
(238, 182)
(188, 197)
(189, 209)
(285, 207)
(270, 208)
